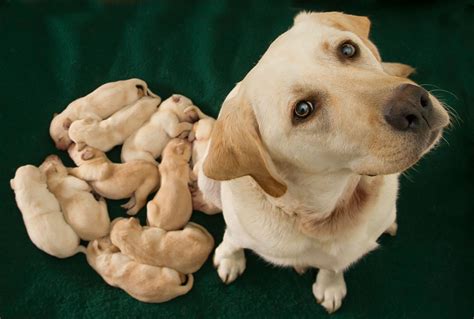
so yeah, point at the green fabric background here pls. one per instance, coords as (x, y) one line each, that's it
(52, 53)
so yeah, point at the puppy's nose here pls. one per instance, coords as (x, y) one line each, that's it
(408, 107)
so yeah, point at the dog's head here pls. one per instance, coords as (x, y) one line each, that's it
(25, 175)
(59, 131)
(53, 165)
(177, 148)
(320, 100)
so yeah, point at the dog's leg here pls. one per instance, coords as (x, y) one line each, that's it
(130, 203)
(141, 195)
(229, 259)
(329, 289)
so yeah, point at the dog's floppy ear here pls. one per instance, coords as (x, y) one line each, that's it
(236, 149)
(398, 69)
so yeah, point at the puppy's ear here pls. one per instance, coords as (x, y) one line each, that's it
(12, 183)
(87, 155)
(398, 69)
(67, 123)
(236, 149)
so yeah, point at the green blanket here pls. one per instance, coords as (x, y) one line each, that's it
(52, 53)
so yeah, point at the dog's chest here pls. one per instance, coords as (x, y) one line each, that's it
(255, 224)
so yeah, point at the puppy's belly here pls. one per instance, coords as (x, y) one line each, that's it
(256, 225)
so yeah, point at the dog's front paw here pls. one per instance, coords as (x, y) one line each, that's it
(329, 289)
(229, 266)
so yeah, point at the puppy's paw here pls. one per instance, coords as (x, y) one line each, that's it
(300, 270)
(329, 289)
(229, 266)
(130, 206)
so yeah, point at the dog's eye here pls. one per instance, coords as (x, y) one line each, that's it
(303, 109)
(348, 50)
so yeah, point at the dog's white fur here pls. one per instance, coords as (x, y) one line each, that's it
(88, 217)
(42, 215)
(173, 119)
(106, 134)
(310, 201)
(99, 104)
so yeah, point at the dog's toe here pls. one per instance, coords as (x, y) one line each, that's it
(229, 267)
(329, 290)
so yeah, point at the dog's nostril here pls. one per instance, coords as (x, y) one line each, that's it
(412, 121)
(424, 101)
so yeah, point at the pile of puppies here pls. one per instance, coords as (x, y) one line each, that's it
(62, 206)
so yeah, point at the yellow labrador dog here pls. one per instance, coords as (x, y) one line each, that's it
(309, 148)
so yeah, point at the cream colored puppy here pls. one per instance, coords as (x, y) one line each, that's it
(134, 180)
(100, 104)
(174, 118)
(200, 137)
(183, 250)
(309, 161)
(143, 282)
(42, 215)
(171, 208)
(106, 134)
(87, 216)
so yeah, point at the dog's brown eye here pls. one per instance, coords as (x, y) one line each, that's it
(348, 50)
(303, 109)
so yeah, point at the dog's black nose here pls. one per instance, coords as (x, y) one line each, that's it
(406, 110)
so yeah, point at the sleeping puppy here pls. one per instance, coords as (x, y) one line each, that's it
(183, 250)
(200, 136)
(171, 208)
(134, 180)
(106, 134)
(42, 215)
(87, 216)
(174, 118)
(309, 161)
(143, 282)
(100, 104)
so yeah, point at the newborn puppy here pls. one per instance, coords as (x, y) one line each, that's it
(134, 180)
(184, 250)
(42, 216)
(200, 135)
(106, 134)
(172, 207)
(100, 104)
(143, 282)
(174, 118)
(87, 216)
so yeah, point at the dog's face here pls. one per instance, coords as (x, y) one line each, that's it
(321, 100)
(59, 131)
